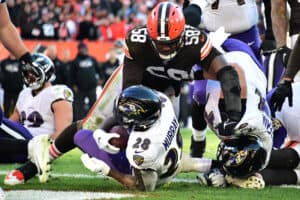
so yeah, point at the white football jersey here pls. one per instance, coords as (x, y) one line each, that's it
(236, 16)
(35, 111)
(159, 147)
(255, 121)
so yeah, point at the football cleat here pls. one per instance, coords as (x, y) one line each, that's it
(197, 148)
(38, 153)
(253, 182)
(15, 177)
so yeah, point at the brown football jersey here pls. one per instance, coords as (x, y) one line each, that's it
(143, 65)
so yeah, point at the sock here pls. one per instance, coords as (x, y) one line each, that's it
(64, 142)
(54, 153)
(286, 158)
(198, 135)
(28, 169)
(279, 177)
(198, 121)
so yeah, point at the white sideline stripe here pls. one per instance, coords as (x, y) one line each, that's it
(61, 195)
(97, 176)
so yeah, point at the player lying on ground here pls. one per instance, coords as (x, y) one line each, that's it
(41, 109)
(153, 149)
(283, 166)
(255, 123)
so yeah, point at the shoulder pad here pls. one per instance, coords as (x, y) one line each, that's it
(62, 92)
(135, 39)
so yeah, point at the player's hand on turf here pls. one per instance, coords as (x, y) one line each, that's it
(283, 90)
(212, 178)
(94, 164)
(129, 182)
(102, 139)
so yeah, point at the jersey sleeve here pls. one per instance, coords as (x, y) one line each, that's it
(62, 92)
(135, 43)
(208, 52)
(207, 46)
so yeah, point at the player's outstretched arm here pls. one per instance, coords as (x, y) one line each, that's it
(9, 35)
(99, 166)
(284, 88)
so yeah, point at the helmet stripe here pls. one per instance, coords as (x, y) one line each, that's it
(163, 14)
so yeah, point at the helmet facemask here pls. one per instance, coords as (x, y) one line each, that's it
(45, 69)
(167, 49)
(165, 26)
(32, 81)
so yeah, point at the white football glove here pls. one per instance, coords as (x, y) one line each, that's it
(94, 164)
(102, 139)
(213, 178)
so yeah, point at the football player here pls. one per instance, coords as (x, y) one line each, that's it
(154, 148)
(41, 109)
(162, 54)
(284, 88)
(255, 124)
(239, 18)
(283, 167)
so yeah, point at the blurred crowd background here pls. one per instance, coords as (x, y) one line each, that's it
(78, 19)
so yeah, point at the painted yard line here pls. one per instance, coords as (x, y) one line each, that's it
(61, 195)
(87, 176)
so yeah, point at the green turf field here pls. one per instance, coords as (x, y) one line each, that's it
(70, 175)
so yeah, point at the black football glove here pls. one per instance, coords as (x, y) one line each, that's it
(28, 65)
(283, 53)
(267, 47)
(283, 90)
(226, 127)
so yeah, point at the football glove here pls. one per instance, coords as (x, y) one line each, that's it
(283, 53)
(213, 178)
(28, 65)
(102, 139)
(95, 165)
(226, 127)
(267, 47)
(283, 90)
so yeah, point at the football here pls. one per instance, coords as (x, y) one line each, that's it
(120, 142)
